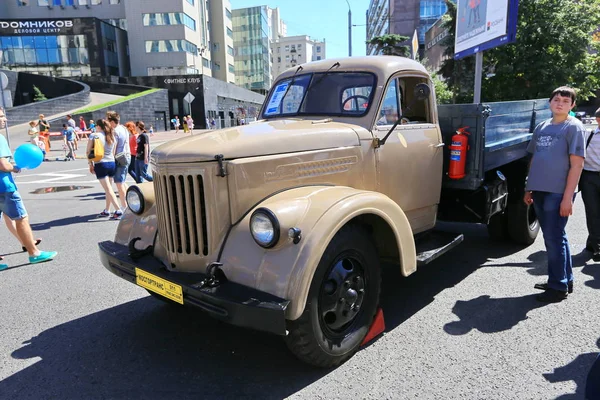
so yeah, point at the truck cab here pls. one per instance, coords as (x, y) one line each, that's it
(281, 225)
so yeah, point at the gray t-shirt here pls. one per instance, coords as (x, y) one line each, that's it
(109, 149)
(122, 138)
(551, 146)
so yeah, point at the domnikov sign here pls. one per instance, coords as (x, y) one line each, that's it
(34, 26)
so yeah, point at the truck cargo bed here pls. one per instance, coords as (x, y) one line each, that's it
(499, 134)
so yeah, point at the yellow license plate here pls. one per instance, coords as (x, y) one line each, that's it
(159, 285)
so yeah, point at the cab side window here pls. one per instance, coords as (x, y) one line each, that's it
(415, 111)
(390, 108)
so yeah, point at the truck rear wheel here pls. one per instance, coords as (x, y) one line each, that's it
(498, 227)
(523, 225)
(341, 303)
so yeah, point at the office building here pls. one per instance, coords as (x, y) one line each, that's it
(170, 37)
(402, 17)
(293, 50)
(252, 36)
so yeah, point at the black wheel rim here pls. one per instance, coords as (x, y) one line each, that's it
(531, 218)
(342, 296)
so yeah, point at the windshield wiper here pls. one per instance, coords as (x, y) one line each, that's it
(336, 64)
(300, 68)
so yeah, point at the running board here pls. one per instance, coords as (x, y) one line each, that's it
(434, 244)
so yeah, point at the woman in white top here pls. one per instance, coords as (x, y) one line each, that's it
(105, 168)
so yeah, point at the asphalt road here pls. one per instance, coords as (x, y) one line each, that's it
(465, 327)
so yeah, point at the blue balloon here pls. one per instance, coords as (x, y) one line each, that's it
(28, 156)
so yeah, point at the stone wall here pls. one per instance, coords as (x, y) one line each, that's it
(139, 109)
(25, 113)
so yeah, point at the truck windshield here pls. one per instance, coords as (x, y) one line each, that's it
(327, 93)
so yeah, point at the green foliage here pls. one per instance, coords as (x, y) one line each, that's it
(389, 45)
(38, 95)
(113, 102)
(554, 39)
(443, 93)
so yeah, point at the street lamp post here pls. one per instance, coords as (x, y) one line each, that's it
(349, 30)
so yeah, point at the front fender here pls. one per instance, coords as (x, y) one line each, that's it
(320, 212)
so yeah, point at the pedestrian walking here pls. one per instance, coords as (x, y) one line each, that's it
(122, 159)
(11, 204)
(105, 168)
(92, 126)
(185, 124)
(190, 124)
(176, 123)
(82, 124)
(69, 142)
(558, 153)
(33, 131)
(44, 128)
(590, 190)
(142, 156)
(213, 124)
(71, 123)
(131, 128)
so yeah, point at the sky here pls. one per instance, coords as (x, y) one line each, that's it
(321, 19)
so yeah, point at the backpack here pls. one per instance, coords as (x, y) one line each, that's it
(97, 152)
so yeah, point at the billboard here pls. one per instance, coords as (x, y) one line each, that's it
(484, 24)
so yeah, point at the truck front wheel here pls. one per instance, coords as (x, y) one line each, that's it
(341, 303)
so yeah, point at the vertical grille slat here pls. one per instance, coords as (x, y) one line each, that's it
(182, 219)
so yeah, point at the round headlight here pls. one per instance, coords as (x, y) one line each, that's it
(135, 200)
(264, 227)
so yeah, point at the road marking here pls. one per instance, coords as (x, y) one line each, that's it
(53, 177)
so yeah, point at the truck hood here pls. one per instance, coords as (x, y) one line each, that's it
(258, 139)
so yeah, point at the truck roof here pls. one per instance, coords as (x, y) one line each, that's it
(380, 65)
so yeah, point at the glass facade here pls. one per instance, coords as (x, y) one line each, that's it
(69, 47)
(430, 11)
(169, 46)
(252, 49)
(154, 19)
(46, 52)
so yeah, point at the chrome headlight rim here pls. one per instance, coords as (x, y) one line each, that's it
(275, 224)
(135, 190)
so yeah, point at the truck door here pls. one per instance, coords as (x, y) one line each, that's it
(409, 164)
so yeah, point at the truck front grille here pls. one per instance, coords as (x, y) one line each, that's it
(181, 212)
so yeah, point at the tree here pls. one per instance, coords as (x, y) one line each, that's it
(554, 39)
(389, 45)
(38, 95)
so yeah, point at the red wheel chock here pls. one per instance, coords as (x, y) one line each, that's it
(376, 329)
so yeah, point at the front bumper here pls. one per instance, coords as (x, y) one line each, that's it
(230, 302)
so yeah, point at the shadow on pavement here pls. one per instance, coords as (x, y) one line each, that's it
(148, 349)
(489, 315)
(80, 219)
(576, 371)
(403, 297)
(592, 270)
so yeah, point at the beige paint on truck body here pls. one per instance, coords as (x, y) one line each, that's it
(314, 173)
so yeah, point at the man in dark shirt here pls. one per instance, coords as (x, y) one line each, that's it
(142, 158)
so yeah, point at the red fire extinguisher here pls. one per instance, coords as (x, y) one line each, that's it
(458, 153)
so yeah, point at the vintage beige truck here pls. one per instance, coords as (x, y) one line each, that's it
(282, 225)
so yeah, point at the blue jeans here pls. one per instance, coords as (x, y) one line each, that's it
(560, 263)
(141, 171)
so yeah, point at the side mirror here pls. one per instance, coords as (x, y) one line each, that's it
(422, 91)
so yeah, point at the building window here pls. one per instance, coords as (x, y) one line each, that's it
(114, 2)
(22, 3)
(319, 49)
(96, 2)
(43, 3)
(230, 33)
(279, 59)
(44, 50)
(228, 13)
(216, 47)
(318, 57)
(287, 48)
(205, 63)
(230, 50)
(191, 2)
(299, 46)
(231, 68)
(216, 67)
(169, 46)
(156, 19)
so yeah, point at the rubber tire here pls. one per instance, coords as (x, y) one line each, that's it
(498, 227)
(306, 340)
(519, 228)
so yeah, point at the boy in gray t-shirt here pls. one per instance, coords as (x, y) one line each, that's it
(558, 148)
